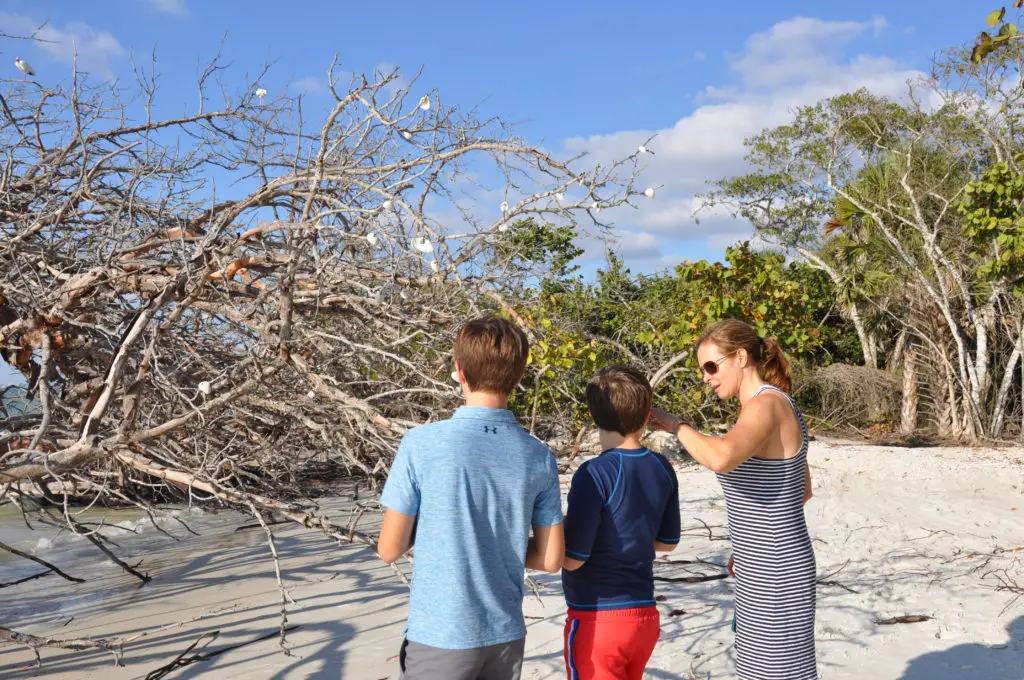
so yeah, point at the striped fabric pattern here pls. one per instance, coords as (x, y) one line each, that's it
(574, 674)
(774, 565)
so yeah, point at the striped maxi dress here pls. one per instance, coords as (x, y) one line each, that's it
(774, 565)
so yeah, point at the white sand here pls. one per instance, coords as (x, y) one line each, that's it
(912, 531)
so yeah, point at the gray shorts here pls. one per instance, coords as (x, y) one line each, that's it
(496, 662)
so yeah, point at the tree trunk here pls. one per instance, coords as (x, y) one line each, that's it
(908, 410)
(950, 423)
(896, 357)
(1001, 406)
(867, 343)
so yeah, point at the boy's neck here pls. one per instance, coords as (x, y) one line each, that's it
(487, 399)
(614, 440)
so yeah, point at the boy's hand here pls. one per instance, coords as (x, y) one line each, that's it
(546, 548)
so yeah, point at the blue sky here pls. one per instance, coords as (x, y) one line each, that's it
(597, 76)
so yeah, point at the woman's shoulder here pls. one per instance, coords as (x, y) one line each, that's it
(767, 395)
(771, 403)
(772, 390)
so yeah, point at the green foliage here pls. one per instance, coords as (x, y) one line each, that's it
(561, 362)
(647, 320)
(837, 342)
(528, 244)
(986, 44)
(757, 287)
(992, 220)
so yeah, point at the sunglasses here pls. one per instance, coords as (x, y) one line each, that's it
(711, 367)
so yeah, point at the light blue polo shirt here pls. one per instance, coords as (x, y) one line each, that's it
(476, 482)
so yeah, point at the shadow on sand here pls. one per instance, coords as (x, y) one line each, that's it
(974, 661)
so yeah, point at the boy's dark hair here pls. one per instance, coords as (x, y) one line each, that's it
(492, 351)
(620, 399)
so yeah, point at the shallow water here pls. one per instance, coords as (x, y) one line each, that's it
(187, 534)
(130, 535)
(32, 535)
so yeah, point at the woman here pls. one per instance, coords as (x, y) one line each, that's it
(762, 466)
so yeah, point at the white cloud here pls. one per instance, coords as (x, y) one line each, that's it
(721, 241)
(699, 56)
(96, 50)
(794, 63)
(797, 50)
(641, 252)
(640, 245)
(309, 84)
(383, 69)
(175, 7)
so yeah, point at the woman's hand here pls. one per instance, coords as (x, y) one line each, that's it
(663, 420)
(729, 567)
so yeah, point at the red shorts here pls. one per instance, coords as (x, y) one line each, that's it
(613, 644)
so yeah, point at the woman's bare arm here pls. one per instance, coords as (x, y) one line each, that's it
(726, 453)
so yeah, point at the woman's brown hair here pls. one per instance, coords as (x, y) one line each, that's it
(732, 335)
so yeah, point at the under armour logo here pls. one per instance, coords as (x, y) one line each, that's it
(492, 430)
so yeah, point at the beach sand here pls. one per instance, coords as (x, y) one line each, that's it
(919, 531)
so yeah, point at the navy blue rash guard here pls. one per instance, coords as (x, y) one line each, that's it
(620, 503)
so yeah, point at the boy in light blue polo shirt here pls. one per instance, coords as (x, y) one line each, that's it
(472, 486)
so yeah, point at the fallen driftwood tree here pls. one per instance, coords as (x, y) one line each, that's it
(216, 306)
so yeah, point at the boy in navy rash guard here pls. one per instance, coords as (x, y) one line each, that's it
(623, 505)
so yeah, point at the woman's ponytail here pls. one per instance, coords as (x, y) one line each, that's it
(774, 366)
